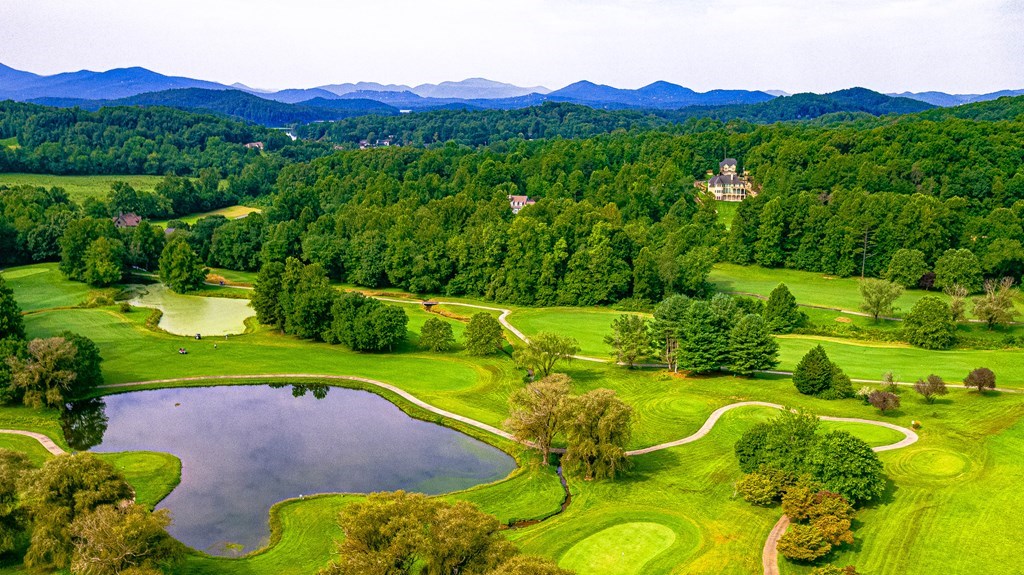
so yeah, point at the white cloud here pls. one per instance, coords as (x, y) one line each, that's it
(790, 44)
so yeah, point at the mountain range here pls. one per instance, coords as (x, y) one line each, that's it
(141, 87)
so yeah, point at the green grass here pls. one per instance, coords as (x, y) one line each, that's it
(963, 474)
(726, 212)
(81, 187)
(588, 325)
(230, 212)
(41, 286)
(622, 549)
(27, 445)
(153, 475)
(869, 360)
(809, 288)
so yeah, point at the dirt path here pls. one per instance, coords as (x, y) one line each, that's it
(770, 555)
(43, 440)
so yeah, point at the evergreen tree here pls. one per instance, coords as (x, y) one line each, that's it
(814, 373)
(667, 328)
(11, 323)
(704, 346)
(781, 312)
(180, 267)
(751, 346)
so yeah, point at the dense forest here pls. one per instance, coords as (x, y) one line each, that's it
(128, 140)
(617, 215)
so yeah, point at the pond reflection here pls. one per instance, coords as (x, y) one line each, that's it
(84, 423)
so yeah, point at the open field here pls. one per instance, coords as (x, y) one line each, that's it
(230, 212)
(675, 511)
(809, 288)
(588, 325)
(726, 212)
(81, 187)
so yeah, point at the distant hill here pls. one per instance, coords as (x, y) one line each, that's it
(85, 84)
(809, 106)
(1004, 108)
(661, 95)
(236, 104)
(475, 89)
(945, 100)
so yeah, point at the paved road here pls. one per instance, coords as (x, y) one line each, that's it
(43, 440)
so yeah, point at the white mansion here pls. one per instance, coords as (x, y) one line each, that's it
(727, 186)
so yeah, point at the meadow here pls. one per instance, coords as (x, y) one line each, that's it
(675, 511)
(81, 187)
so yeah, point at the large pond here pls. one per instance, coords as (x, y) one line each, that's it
(189, 314)
(244, 448)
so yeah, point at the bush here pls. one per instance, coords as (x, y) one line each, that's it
(930, 324)
(804, 543)
(884, 400)
(764, 486)
(982, 378)
(930, 387)
(847, 465)
(817, 375)
(125, 307)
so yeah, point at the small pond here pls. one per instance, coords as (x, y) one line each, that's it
(244, 448)
(189, 314)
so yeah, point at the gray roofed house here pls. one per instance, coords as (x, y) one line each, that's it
(728, 186)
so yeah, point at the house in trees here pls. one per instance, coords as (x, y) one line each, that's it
(728, 186)
(519, 202)
(254, 146)
(128, 220)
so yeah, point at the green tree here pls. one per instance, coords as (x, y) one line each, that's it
(483, 335)
(180, 267)
(996, 307)
(76, 240)
(11, 323)
(704, 346)
(906, 267)
(804, 543)
(145, 242)
(545, 350)
(437, 335)
(46, 376)
(958, 266)
(751, 346)
(781, 312)
(667, 328)
(86, 364)
(529, 565)
(630, 338)
(647, 283)
(847, 465)
(816, 374)
(13, 466)
(309, 313)
(113, 539)
(879, 296)
(64, 489)
(103, 262)
(930, 324)
(597, 427)
(534, 412)
(367, 324)
(780, 444)
(266, 294)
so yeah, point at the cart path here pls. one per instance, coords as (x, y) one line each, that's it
(909, 436)
(43, 440)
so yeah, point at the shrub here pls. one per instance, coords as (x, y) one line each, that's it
(764, 486)
(884, 400)
(817, 375)
(982, 378)
(833, 570)
(930, 387)
(804, 543)
(930, 324)
(847, 465)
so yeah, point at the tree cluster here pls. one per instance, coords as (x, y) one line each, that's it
(596, 425)
(405, 533)
(299, 300)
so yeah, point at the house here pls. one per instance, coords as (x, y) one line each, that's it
(519, 202)
(254, 145)
(728, 186)
(128, 220)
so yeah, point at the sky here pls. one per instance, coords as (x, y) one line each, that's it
(957, 46)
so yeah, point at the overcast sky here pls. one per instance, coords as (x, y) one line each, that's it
(962, 46)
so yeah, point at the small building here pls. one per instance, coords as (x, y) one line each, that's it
(129, 220)
(254, 146)
(519, 202)
(728, 186)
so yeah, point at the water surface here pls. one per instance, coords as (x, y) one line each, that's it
(190, 314)
(244, 448)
